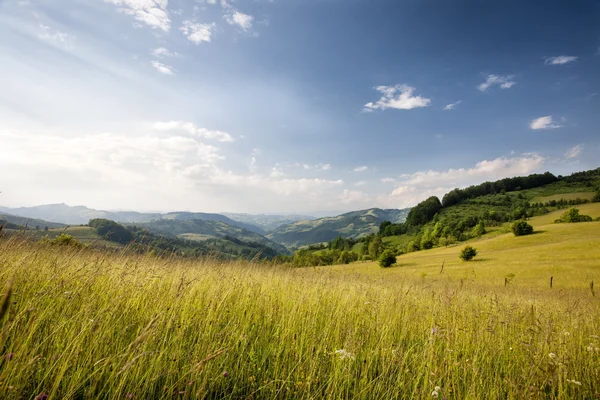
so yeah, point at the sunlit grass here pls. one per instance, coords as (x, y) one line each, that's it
(83, 324)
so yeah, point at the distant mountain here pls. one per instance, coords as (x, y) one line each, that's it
(199, 230)
(350, 225)
(30, 223)
(78, 215)
(267, 222)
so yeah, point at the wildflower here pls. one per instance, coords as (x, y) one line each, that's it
(225, 374)
(42, 396)
(9, 356)
(434, 394)
(552, 356)
(574, 382)
(433, 330)
(437, 388)
(567, 334)
(129, 396)
(344, 354)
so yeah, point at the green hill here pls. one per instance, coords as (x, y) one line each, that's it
(350, 225)
(267, 222)
(17, 222)
(200, 230)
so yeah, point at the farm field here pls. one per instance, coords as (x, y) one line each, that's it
(86, 324)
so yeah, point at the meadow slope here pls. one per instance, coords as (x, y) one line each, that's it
(84, 324)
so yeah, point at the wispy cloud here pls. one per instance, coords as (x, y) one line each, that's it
(574, 151)
(362, 168)
(560, 60)
(399, 97)
(55, 35)
(161, 52)
(193, 130)
(505, 82)
(321, 166)
(197, 33)
(153, 13)
(163, 68)
(543, 123)
(240, 19)
(452, 106)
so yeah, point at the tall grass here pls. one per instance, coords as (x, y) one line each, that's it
(82, 324)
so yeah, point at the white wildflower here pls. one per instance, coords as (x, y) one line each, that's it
(434, 394)
(573, 381)
(437, 389)
(552, 356)
(344, 354)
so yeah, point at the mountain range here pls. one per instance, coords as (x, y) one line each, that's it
(280, 232)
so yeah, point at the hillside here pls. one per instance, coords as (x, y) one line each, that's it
(568, 252)
(196, 229)
(31, 223)
(350, 225)
(267, 222)
(80, 215)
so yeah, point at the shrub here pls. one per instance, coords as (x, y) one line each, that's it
(65, 240)
(468, 253)
(573, 216)
(521, 228)
(596, 198)
(387, 259)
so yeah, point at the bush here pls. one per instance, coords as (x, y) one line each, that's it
(468, 253)
(387, 259)
(573, 216)
(521, 228)
(65, 240)
(596, 198)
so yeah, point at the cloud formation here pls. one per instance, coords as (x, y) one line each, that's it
(560, 60)
(153, 13)
(543, 123)
(452, 106)
(505, 82)
(399, 97)
(163, 68)
(240, 19)
(197, 33)
(574, 151)
(193, 130)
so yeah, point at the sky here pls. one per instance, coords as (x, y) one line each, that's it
(290, 106)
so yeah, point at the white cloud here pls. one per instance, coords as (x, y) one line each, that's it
(153, 13)
(388, 180)
(543, 123)
(55, 35)
(122, 170)
(163, 68)
(505, 82)
(399, 97)
(452, 106)
(197, 33)
(560, 60)
(161, 52)
(193, 130)
(240, 19)
(320, 166)
(417, 186)
(361, 183)
(361, 168)
(574, 151)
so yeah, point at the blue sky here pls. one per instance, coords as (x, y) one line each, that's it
(288, 106)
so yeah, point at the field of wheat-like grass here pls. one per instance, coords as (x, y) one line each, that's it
(80, 324)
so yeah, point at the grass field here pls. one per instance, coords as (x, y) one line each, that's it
(564, 196)
(84, 324)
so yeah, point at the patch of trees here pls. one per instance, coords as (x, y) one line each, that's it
(501, 186)
(573, 215)
(111, 230)
(424, 212)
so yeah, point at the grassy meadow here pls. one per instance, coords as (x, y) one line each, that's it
(79, 324)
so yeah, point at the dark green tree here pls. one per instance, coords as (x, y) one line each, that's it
(387, 258)
(467, 253)
(521, 228)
